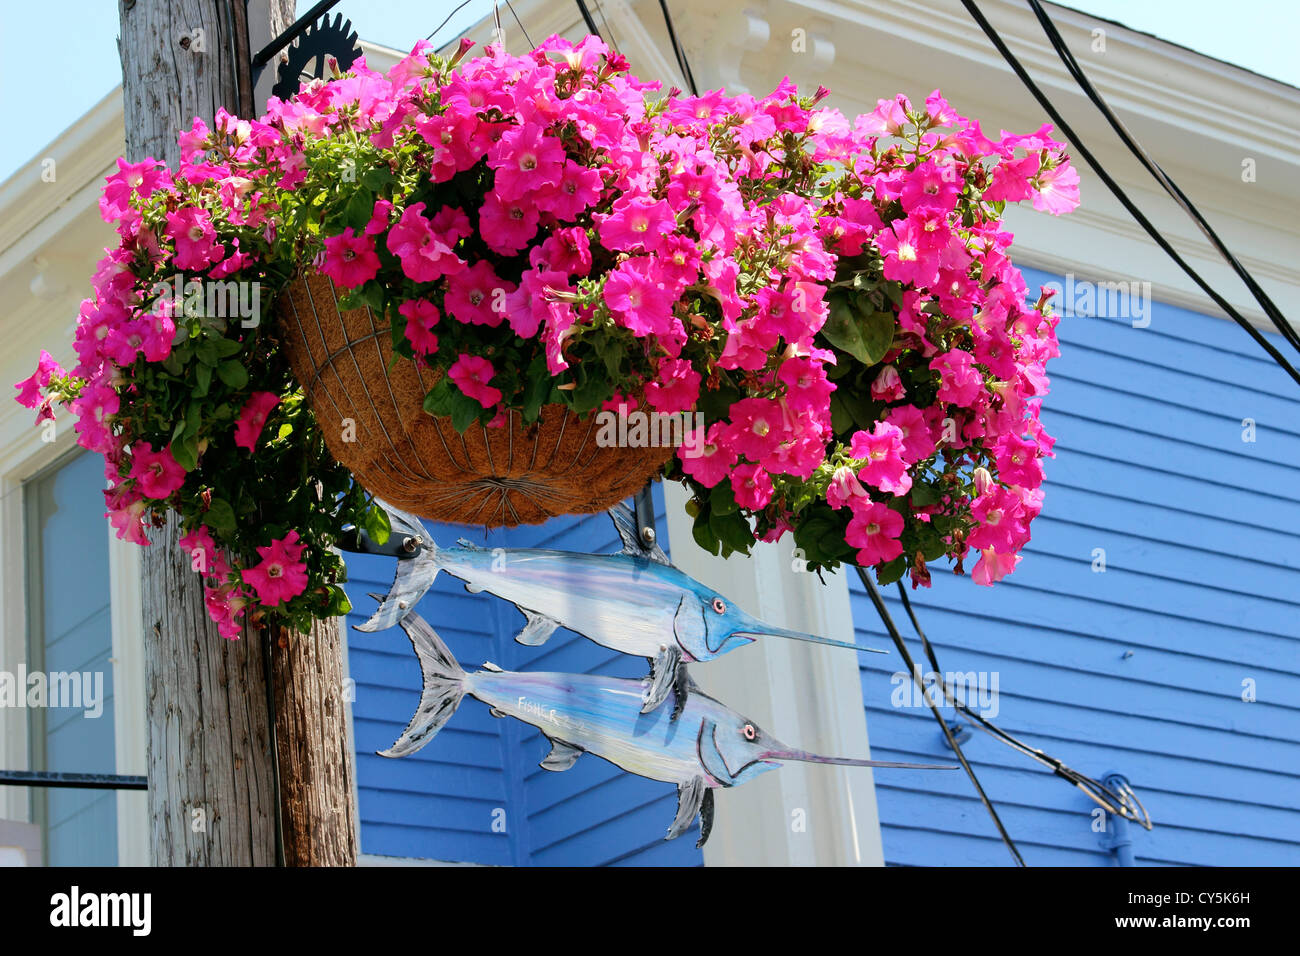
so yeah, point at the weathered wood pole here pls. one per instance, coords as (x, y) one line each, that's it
(212, 799)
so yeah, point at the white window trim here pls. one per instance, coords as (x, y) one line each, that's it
(22, 457)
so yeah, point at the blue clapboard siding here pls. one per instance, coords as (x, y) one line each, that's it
(1139, 669)
(441, 803)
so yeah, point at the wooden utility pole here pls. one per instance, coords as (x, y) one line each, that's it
(211, 760)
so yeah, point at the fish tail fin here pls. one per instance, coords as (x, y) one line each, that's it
(413, 578)
(444, 687)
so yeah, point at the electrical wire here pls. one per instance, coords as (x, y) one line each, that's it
(678, 51)
(586, 16)
(613, 40)
(934, 708)
(973, 9)
(1154, 168)
(463, 5)
(522, 28)
(1123, 802)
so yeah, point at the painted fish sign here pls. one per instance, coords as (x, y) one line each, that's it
(707, 746)
(633, 601)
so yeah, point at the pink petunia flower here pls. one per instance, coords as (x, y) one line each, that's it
(677, 388)
(204, 556)
(350, 259)
(636, 224)
(844, 489)
(752, 486)
(157, 473)
(191, 229)
(29, 389)
(471, 373)
(638, 299)
(477, 296)
(707, 461)
(252, 418)
(425, 255)
(874, 530)
(993, 567)
(421, 317)
(882, 448)
(281, 575)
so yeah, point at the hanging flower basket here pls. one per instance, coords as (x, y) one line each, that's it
(371, 413)
(470, 266)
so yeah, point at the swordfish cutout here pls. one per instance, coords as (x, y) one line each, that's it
(708, 746)
(633, 601)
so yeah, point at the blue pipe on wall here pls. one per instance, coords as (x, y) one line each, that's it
(1119, 841)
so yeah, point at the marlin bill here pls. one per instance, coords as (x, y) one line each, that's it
(633, 601)
(707, 746)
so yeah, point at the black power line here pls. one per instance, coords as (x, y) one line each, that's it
(586, 16)
(934, 708)
(678, 50)
(1114, 187)
(1154, 168)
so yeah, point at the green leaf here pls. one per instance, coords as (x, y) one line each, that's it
(841, 418)
(358, 210)
(924, 494)
(202, 379)
(732, 530)
(193, 419)
(536, 389)
(376, 178)
(227, 347)
(893, 571)
(876, 329)
(233, 374)
(841, 328)
(703, 534)
(722, 499)
(220, 515)
(464, 410)
(377, 525)
(438, 400)
(186, 453)
(590, 393)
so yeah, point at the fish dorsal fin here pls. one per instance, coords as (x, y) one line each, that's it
(489, 666)
(625, 522)
(561, 757)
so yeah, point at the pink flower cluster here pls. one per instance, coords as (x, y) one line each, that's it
(548, 202)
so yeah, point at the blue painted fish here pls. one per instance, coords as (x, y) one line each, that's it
(707, 746)
(632, 601)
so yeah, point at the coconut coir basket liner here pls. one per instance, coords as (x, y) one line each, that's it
(488, 476)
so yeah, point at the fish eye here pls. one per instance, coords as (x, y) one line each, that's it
(719, 605)
(750, 732)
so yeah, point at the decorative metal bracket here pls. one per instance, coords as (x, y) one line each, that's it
(309, 43)
(398, 545)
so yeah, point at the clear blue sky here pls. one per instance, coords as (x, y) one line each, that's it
(59, 57)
